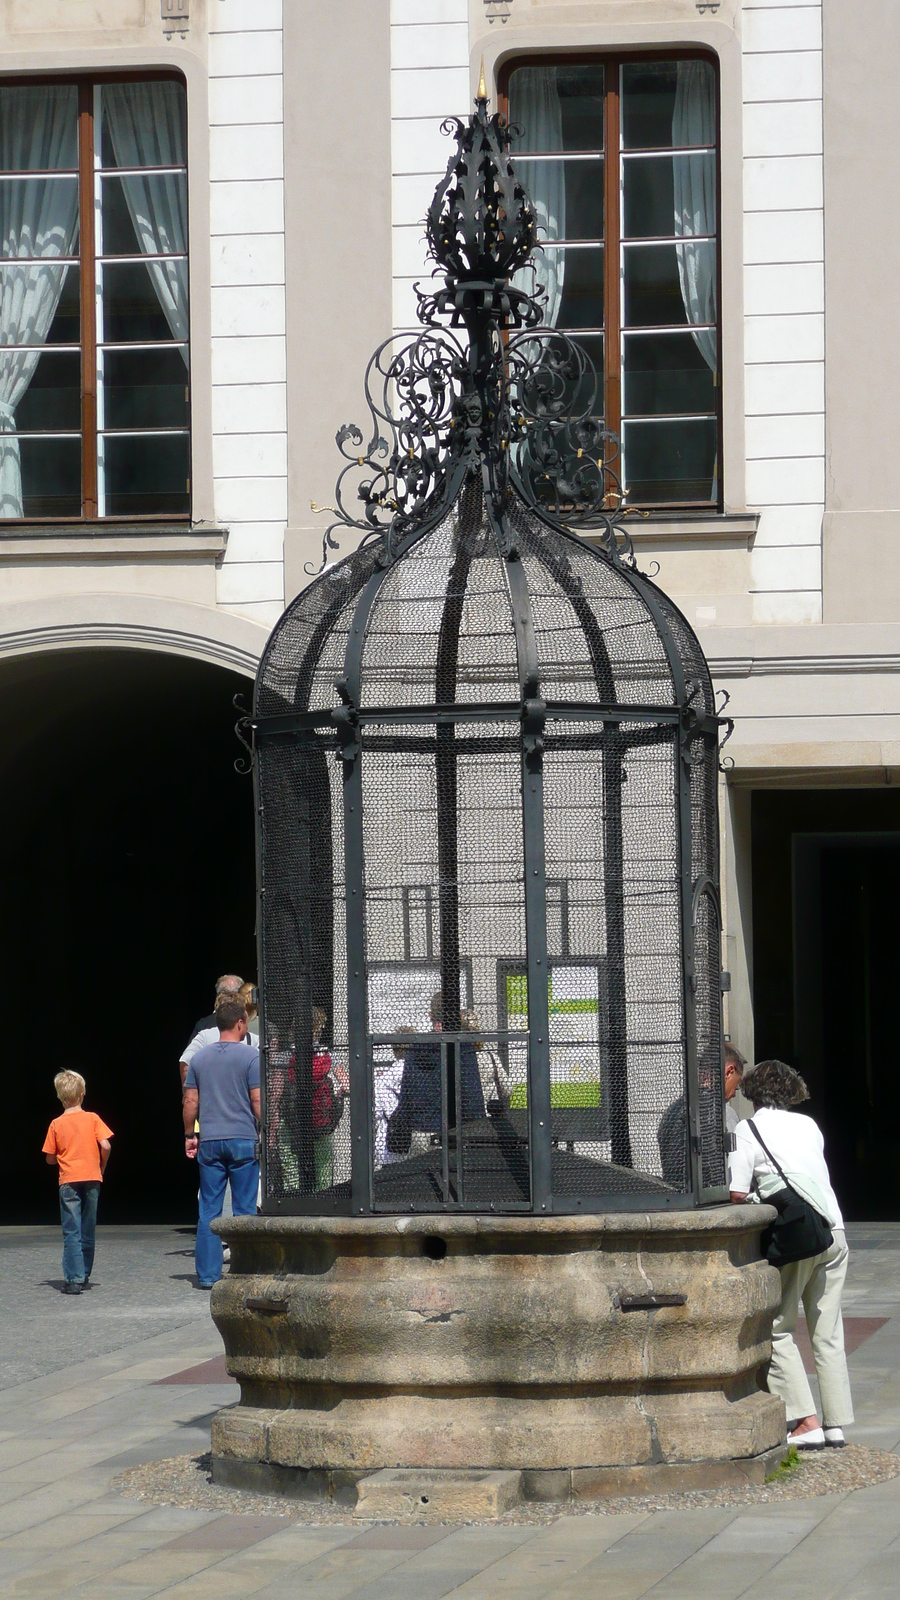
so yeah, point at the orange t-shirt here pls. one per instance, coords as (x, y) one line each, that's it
(74, 1139)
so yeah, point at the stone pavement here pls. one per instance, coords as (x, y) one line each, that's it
(68, 1427)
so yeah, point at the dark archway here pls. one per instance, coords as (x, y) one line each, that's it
(128, 886)
(826, 879)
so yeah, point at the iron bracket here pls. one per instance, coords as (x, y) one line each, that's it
(346, 726)
(534, 718)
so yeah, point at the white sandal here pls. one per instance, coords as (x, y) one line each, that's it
(812, 1439)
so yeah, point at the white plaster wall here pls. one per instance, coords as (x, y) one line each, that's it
(429, 81)
(783, 255)
(784, 304)
(249, 408)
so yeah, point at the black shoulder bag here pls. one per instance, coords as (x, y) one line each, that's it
(799, 1231)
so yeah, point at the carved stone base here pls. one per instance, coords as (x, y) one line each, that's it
(568, 1345)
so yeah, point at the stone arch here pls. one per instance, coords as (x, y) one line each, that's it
(132, 622)
(129, 881)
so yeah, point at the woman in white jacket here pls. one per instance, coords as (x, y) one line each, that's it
(796, 1143)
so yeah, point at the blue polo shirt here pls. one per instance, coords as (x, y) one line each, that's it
(223, 1074)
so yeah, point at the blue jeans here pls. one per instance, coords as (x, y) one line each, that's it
(223, 1161)
(78, 1214)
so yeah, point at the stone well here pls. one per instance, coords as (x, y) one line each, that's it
(585, 1352)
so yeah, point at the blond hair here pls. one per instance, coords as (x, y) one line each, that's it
(245, 993)
(70, 1087)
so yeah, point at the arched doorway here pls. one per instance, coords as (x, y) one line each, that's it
(128, 886)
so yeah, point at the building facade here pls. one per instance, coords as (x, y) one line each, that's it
(226, 199)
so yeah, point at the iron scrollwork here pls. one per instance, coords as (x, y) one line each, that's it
(244, 726)
(521, 398)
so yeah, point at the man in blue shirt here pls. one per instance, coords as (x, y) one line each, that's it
(420, 1093)
(222, 1089)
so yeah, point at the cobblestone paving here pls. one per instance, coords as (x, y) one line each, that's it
(143, 1283)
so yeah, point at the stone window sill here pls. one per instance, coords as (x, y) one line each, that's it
(131, 541)
(663, 529)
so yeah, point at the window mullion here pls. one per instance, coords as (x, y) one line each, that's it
(612, 253)
(88, 300)
(99, 327)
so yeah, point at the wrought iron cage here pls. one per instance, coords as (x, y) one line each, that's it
(486, 756)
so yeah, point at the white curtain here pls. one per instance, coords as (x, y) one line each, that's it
(38, 221)
(146, 126)
(538, 113)
(694, 123)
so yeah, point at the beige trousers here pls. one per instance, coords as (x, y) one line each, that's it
(817, 1284)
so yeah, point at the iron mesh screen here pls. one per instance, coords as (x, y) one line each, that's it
(499, 758)
(303, 957)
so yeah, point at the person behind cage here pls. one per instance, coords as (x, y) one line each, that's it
(735, 1067)
(671, 1135)
(419, 1108)
(777, 1136)
(78, 1144)
(491, 1071)
(222, 1091)
(330, 1085)
(388, 1081)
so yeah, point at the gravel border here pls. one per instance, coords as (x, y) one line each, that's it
(185, 1481)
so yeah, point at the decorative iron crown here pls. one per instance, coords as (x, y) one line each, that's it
(514, 402)
(481, 227)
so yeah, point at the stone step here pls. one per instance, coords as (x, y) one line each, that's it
(445, 1496)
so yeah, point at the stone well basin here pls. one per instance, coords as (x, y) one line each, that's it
(538, 1344)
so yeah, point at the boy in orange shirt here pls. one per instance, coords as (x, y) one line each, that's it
(78, 1143)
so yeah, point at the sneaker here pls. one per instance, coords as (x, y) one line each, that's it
(71, 1287)
(206, 1286)
(813, 1439)
(834, 1438)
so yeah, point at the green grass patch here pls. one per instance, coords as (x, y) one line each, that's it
(787, 1467)
(570, 1096)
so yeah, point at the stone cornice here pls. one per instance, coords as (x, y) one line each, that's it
(774, 666)
(802, 650)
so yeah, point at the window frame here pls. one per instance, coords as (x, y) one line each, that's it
(613, 344)
(85, 83)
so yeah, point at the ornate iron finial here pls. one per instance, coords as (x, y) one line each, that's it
(482, 86)
(514, 403)
(481, 227)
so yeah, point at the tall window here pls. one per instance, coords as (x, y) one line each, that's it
(94, 406)
(619, 157)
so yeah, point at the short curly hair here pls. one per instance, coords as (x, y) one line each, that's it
(774, 1084)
